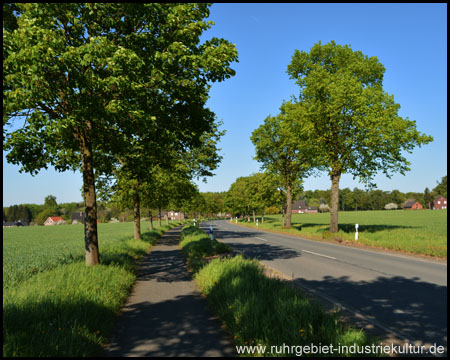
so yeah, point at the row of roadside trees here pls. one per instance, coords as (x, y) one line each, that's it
(117, 91)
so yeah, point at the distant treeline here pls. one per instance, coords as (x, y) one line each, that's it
(37, 214)
(212, 203)
(356, 199)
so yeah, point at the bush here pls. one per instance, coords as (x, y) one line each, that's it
(391, 206)
(272, 210)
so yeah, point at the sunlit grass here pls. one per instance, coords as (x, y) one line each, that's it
(418, 232)
(64, 308)
(258, 310)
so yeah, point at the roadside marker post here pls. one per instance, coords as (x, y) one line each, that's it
(356, 233)
(211, 233)
(256, 222)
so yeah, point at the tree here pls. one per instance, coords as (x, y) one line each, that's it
(356, 124)
(263, 191)
(85, 77)
(284, 148)
(441, 188)
(236, 199)
(397, 197)
(51, 204)
(428, 198)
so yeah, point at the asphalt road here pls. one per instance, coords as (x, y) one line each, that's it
(403, 295)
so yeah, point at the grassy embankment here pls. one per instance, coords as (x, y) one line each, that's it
(258, 310)
(53, 305)
(417, 232)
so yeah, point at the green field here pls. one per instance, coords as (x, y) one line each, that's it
(418, 232)
(53, 304)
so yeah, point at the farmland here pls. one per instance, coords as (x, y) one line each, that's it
(53, 305)
(418, 232)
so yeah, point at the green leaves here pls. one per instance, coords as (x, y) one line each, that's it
(355, 122)
(117, 65)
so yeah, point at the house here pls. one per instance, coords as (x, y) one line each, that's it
(412, 205)
(15, 223)
(440, 203)
(300, 207)
(54, 220)
(175, 215)
(78, 217)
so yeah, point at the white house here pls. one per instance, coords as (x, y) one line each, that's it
(54, 220)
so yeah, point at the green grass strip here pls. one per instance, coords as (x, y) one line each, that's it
(196, 245)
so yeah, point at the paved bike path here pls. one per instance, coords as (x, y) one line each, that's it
(165, 314)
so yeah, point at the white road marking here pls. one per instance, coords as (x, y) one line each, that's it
(260, 238)
(310, 252)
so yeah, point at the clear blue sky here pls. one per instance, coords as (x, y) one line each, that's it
(410, 40)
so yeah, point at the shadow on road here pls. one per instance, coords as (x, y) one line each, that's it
(260, 250)
(169, 328)
(411, 307)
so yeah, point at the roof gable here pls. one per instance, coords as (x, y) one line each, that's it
(409, 203)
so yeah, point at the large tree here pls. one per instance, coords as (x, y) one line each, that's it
(356, 124)
(284, 148)
(87, 78)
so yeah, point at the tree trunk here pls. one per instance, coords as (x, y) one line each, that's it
(288, 205)
(137, 214)
(262, 217)
(254, 216)
(334, 202)
(167, 219)
(150, 219)
(90, 201)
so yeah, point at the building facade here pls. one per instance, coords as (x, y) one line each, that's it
(440, 203)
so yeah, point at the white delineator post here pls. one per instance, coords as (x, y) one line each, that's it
(256, 222)
(236, 219)
(356, 233)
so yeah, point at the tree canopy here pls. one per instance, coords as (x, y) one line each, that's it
(87, 79)
(284, 148)
(356, 125)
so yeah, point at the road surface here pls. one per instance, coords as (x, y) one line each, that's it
(402, 295)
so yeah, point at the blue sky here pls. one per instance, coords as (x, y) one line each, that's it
(410, 40)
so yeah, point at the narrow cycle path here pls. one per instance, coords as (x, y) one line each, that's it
(165, 314)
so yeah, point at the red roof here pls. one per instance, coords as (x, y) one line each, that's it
(56, 218)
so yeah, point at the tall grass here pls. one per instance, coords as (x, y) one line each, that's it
(196, 245)
(418, 232)
(56, 306)
(264, 311)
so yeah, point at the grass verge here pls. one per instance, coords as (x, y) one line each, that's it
(196, 246)
(422, 232)
(70, 310)
(262, 311)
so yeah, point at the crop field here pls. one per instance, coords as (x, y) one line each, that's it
(29, 250)
(53, 304)
(418, 232)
